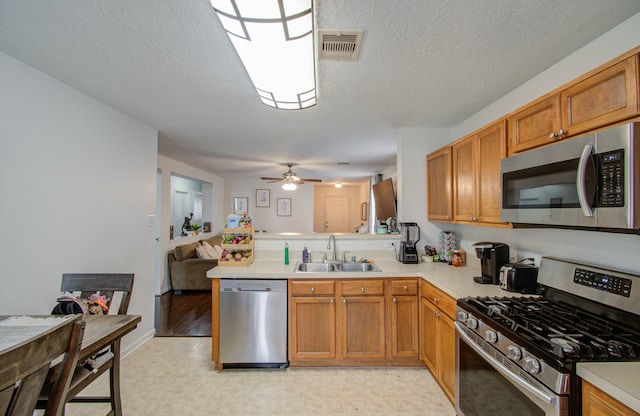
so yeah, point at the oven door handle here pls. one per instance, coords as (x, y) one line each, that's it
(501, 369)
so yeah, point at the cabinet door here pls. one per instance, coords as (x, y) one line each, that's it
(429, 337)
(531, 126)
(464, 179)
(362, 327)
(404, 326)
(491, 147)
(312, 327)
(448, 356)
(604, 98)
(439, 202)
(595, 402)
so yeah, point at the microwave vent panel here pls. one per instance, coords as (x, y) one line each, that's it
(337, 45)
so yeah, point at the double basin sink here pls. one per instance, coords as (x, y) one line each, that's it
(346, 267)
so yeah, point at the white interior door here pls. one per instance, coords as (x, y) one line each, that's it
(336, 214)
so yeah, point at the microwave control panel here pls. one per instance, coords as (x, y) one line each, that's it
(611, 184)
(614, 284)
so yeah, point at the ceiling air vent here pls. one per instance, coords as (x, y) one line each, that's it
(339, 45)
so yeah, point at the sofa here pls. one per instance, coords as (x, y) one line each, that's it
(186, 270)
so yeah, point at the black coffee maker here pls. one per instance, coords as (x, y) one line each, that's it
(492, 257)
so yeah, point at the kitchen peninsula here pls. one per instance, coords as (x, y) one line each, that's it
(400, 316)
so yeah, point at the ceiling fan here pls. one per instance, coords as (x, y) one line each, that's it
(289, 177)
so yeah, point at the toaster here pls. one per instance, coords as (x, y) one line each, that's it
(518, 277)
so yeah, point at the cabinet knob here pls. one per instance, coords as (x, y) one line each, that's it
(313, 289)
(405, 288)
(435, 300)
(552, 135)
(332, 300)
(362, 288)
(344, 301)
(474, 219)
(437, 314)
(395, 300)
(561, 132)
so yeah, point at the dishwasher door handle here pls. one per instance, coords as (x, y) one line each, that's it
(261, 289)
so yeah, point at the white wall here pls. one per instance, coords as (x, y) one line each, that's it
(266, 218)
(612, 250)
(213, 210)
(78, 182)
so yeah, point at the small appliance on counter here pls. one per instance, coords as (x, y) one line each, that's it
(519, 277)
(408, 247)
(492, 257)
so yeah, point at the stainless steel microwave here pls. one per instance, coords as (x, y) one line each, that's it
(591, 181)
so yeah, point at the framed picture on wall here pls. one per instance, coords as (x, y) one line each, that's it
(284, 207)
(240, 205)
(263, 198)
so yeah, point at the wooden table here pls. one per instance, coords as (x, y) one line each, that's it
(101, 332)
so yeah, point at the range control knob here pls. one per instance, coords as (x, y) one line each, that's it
(531, 365)
(491, 336)
(472, 323)
(514, 353)
(462, 316)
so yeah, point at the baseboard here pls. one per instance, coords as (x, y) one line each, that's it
(137, 343)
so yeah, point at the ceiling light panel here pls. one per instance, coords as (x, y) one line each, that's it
(274, 39)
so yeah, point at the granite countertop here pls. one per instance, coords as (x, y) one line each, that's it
(457, 282)
(619, 380)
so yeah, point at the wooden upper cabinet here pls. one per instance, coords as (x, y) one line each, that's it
(534, 125)
(491, 148)
(439, 202)
(606, 97)
(476, 174)
(464, 179)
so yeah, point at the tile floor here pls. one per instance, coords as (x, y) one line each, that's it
(175, 376)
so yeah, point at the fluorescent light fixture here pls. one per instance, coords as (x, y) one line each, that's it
(274, 39)
(289, 186)
(338, 185)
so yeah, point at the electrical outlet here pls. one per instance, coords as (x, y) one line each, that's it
(391, 245)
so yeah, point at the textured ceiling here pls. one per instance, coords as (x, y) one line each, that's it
(169, 64)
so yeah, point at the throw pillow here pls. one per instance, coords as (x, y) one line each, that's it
(201, 252)
(210, 250)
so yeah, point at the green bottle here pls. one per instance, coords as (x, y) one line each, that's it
(286, 253)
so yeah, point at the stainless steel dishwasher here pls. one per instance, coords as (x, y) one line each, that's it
(253, 323)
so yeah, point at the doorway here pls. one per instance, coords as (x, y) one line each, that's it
(336, 214)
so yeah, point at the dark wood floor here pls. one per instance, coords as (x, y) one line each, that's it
(184, 315)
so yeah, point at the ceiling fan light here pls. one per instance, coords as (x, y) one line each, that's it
(274, 40)
(289, 186)
(338, 185)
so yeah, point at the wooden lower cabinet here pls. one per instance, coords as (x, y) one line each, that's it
(354, 322)
(316, 338)
(362, 327)
(595, 402)
(437, 337)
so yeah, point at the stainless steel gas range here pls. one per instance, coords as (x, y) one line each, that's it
(518, 355)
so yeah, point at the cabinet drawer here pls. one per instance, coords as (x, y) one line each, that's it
(362, 287)
(444, 302)
(313, 288)
(404, 287)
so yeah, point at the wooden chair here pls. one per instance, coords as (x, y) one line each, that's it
(111, 285)
(24, 369)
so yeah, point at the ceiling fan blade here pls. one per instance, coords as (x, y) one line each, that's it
(271, 179)
(310, 180)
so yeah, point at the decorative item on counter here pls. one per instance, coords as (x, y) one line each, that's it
(382, 229)
(305, 255)
(233, 220)
(171, 232)
(447, 245)
(456, 259)
(245, 221)
(286, 253)
(206, 227)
